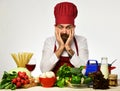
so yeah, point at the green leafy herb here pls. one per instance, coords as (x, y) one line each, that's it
(87, 80)
(75, 79)
(73, 75)
(64, 71)
(6, 81)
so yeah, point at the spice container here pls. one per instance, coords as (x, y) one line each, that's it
(113, 80)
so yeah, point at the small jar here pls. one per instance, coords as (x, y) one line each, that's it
(113, 80)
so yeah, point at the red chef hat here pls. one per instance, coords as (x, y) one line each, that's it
(65, 13)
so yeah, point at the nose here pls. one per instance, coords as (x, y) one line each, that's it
(64, 30)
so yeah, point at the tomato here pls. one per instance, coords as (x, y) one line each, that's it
(26, 77)
(27, 81)
(19, 73)
(18, 84)
(24, 73)
(18, 79)
(22, 81)
(14, 80)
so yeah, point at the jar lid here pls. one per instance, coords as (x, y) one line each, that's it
(113, 76)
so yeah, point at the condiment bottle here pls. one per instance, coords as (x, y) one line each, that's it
(104, 67)
(113, 80)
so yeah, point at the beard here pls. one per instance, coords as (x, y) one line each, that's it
(64, 37)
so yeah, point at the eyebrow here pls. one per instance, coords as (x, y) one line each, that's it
(65, 26)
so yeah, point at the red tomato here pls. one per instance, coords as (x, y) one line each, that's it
(22, 81)
(27, 81)
(19, 73)
(18, 84)
(26, 77)
(18, 79)
(24, 73)
(14, 80)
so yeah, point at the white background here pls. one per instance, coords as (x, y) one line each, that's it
(25, 24)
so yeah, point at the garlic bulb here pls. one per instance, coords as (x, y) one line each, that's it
(50, 74)
(43, 75)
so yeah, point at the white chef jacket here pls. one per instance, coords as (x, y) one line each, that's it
(49, 58)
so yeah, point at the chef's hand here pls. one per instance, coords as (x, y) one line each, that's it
(69, 40)
(59, 39)
(61, 44)
(68, 43)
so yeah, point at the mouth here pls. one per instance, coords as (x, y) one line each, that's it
(64, 37)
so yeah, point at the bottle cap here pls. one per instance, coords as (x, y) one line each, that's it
(113, 76)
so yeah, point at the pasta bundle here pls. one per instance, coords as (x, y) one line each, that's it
(21, 59)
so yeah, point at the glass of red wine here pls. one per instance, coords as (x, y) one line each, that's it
(31, 65)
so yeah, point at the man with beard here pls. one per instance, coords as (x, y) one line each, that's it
(65, 47)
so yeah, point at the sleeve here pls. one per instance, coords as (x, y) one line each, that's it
(76, 60)
(49, 59)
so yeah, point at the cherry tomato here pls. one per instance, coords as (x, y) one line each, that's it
(14, 80)
(22, 81)
(18, 79)
(19, 73)
(26, 77)
(24, 73)
(27, 81)
(18, 84)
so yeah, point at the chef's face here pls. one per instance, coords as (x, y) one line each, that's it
(65, 30)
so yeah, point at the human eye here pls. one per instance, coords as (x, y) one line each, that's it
(60, 27)
(69, 27)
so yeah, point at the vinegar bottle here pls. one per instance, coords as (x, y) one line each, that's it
(104, 67)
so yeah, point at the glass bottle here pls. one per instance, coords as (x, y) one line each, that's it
(104, 67)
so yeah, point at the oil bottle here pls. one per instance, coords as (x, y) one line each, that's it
(104, 67)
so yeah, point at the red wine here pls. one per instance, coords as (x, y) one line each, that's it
(30, 67)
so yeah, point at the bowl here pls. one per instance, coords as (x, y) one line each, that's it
(47, 82)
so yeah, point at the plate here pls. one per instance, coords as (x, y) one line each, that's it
(77, 85)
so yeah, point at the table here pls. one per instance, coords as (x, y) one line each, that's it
(40, 88)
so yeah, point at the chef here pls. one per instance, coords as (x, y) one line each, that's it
(65, 47)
